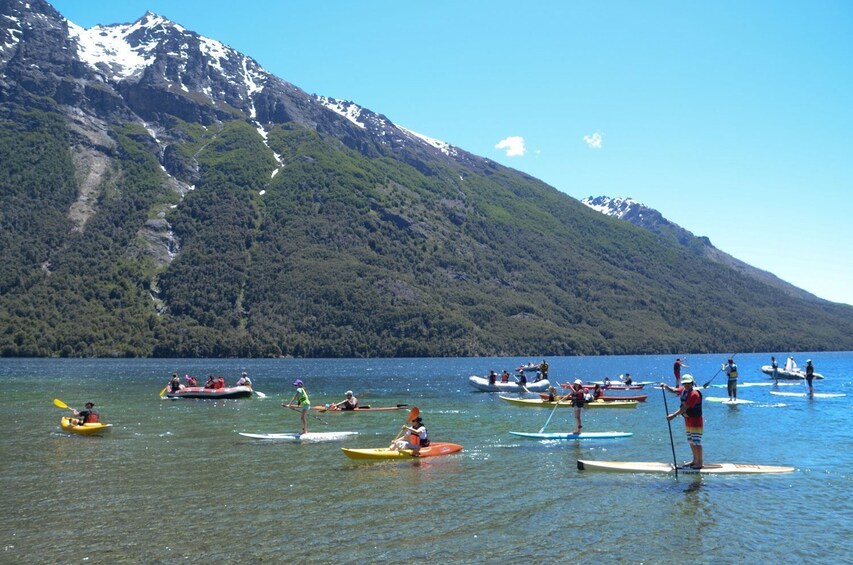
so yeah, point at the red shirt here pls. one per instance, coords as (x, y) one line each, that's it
(692, 401)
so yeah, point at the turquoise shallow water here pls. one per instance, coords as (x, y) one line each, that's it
(175, 483)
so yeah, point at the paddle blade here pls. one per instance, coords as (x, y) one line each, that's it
(59, 404)
(162, 392)
(413, 413)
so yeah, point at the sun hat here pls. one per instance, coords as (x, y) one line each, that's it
(578, 382)
(298, 382)
(687, 379)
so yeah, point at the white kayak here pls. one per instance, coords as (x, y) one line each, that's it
(566, 435)
(805, 394)
(725, 400)
(482, 384)
(654, 467)
(309, 437)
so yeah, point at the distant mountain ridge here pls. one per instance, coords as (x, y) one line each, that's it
(164, 195)
(650, 219)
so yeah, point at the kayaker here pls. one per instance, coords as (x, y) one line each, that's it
(348, 403)
(597, 392)
(578, 396)
(731, 383)
(691, 409)
(628, 380)
(88, 415)
(244, 380)
(552, 394)
(676, 370)
(302, 401)
(175, 383)
(810, 376)
(416, 437)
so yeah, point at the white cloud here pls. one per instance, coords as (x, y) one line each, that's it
(514, 146)
(594, 141)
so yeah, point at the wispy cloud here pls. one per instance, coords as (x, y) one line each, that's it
(513, 145)
(594, 141)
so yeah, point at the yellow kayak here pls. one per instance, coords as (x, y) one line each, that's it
(70, 425)
(538, 402)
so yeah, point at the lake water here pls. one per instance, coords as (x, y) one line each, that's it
(175, 483)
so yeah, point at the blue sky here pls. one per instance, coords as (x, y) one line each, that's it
(734, 119)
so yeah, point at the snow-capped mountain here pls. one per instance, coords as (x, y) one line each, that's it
(154, 67)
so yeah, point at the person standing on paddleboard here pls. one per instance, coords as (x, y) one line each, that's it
(731, 384)
(810, 376)
(676, 370)
(775, 366)
(691, 409)
(301, 398)
(578, 396)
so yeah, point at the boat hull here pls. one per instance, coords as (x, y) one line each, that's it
(435, 449)
(84, 429)
(788, 375)
(328, 408)
(197, 392)
(482, 384)
(668, 468)
(539, 403)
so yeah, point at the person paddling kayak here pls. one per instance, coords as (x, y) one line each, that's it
(88, 415)
(416, 437)
(691, 409)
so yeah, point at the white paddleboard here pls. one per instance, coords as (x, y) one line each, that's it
(654, 467)
(739, 385)
(566, 435)
(310, 436)
(725, 400)
(805, 394)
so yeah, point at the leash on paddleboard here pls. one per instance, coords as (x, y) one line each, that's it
(732, 356)
(669, 425)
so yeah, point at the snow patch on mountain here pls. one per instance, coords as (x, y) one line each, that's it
(349, 110)
(442, 146)
(613, 207)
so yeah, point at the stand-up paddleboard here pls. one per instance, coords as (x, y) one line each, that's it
(805, 394)
(310, 436)
(584, 435)
(725, 400)
(654, 467)
(740, 385)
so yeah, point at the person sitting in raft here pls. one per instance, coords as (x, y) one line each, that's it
(191, 381)
(88, 415)
(349, 403)
(552, 394)
(210, 382)
(416, 437)
(175, 383)
(521, 379)
(220, 382)
(505, 377)
(244, 380)
(628, 380)
(492, 377)
(597, 392)
(606, 382)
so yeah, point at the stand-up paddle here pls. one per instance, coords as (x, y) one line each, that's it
(259, 393)
(669, 425)
(297, 408)
(732, 356)
(556, 404)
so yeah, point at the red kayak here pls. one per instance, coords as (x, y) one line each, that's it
(638, 398)
(332, 408)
